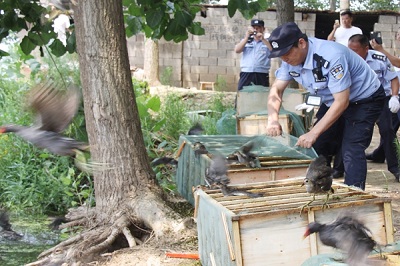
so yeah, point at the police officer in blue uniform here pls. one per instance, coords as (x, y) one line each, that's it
(388, 77)
(254, 64)
(337, 77)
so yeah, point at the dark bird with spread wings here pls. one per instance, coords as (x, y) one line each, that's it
(245, 155)
(318, 179)
(217, 176)
(349, 235)
(54, 111)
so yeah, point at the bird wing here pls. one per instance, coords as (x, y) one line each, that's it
(54, 108)
(52, 141)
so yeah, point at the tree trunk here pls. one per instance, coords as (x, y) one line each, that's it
(151, 62)
(284, 11)
(125, 187)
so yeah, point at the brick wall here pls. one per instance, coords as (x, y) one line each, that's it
(389, 25)
(211, 56)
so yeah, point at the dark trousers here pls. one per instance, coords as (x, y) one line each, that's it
(356, 134)
(379, 153)
(249, 78)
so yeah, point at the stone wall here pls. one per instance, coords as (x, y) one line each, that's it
(211, 57)
(389, 25)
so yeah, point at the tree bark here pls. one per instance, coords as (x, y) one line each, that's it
(125, 188)
(151, 62)
(284, 11)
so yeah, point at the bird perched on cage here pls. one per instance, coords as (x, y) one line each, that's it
(318, 179)
(347, 234)
(54, 110)
(199, 149)
(245, 156)
(217, 176)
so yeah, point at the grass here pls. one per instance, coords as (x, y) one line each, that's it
(35, 181)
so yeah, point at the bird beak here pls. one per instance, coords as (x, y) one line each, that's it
(2, 130)
(306, 233)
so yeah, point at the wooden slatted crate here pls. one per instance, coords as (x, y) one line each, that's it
(237, 230)
(257, 124)
(279, 160)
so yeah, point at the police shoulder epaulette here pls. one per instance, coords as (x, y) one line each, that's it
(379, 57)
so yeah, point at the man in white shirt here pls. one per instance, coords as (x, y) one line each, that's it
(343, 31)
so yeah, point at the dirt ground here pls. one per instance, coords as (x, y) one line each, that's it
(379, 182)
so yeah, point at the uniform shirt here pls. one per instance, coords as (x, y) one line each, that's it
(255, 58)
(342, 69)
(383, 68)
(342, 35)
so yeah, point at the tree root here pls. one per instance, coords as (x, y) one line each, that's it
(125, 227)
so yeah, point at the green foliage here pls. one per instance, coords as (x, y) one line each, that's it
(174, 112)
(166, 76)
(220, 85)
(15, 17)
(359, 5)
(170, 20)
(33, 179)
(218, 106)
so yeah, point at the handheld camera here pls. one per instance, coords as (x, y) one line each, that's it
(377, 36)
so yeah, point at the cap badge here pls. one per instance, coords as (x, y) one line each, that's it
(275, 45)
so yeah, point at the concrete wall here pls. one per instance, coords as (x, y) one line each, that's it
(211, 57)
(389, 25)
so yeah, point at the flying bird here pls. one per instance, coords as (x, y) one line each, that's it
(217, 176)
(164, 160)
(245, 156)
(63, 4)
(347, 234)
(54, 110)
(318, 180)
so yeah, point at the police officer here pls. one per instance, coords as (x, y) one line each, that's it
(337, 77)
(388, 77)
(254, 64)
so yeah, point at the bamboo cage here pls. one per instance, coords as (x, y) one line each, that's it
(237, 230)
(279, 158)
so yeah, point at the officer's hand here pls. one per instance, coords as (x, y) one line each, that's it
(274, 128)
(304, 106)
(376, 46)
(249, 32)
(306, 140)
(394, 104)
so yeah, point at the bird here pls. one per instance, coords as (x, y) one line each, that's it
(217, 176)
(54, 110)
(197, 129)
(164, 160)
(7, 232)
(318, 179)
(199, 149)
(57, 221)
(348, 234)
(63, 4)
(245, 156)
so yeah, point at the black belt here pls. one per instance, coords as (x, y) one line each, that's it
(378, 95)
